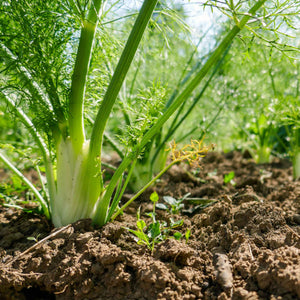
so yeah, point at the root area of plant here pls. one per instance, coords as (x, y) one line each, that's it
(244, 242)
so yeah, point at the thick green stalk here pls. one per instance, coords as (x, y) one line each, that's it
(120, 193)
(111, 96)
(108, 139)
(80, 73)
(119, 77)
(75, 197)
(217, 54)
(296, 165)
(102, 207)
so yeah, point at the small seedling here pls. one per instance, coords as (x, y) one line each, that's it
(187, 235)
(156, 231)
(228, 178)
(178, 235)
(174, 206)
(34, 238)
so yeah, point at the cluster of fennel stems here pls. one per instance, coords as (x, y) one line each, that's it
(74, 179)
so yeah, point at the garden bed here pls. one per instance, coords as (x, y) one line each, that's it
(245, 245)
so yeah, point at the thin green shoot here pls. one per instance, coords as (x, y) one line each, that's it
(187, 235)
(38, 196)
(34, 238)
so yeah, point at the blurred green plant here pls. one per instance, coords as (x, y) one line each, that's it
(260, 132)
(173, 205)
(258, 77)
(228, 178)
(34, 238)
(289, 119)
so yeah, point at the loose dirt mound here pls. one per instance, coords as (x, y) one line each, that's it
(245, 245)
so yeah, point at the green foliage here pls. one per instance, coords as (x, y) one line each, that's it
(157, 231)
(33, 49)
(258, 77)
(45, 71)
(237, 92)
(143, 111)
(187, 235)
(34, 238)
(174, 206)
(228, 178)
(13, 193)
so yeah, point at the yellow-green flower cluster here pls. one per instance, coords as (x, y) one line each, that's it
(191, 152)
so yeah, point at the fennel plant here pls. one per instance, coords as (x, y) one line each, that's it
(39, 51)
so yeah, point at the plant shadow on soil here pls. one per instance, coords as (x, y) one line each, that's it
(243, 246)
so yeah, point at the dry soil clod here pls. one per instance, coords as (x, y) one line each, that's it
(222, 269)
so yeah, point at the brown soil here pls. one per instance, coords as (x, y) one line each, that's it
(243, 246)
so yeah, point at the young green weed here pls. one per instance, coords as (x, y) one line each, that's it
(172, 205)
(228, 178)
(157, 231)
